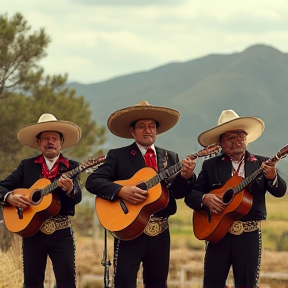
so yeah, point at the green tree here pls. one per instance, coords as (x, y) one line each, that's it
(48, 96)
(26, 93)
(20, 52)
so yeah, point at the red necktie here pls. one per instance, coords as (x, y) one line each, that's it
(150, 159)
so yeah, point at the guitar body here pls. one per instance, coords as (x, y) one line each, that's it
(43, 207)
(127, 226)
(34, 215)
(239, 205)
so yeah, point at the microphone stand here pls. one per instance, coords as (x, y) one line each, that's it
(106, 262)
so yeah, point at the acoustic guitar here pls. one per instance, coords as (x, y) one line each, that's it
(45, 200)
(238, 202)
(126, 220)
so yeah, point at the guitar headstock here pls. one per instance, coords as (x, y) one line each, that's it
(282, 153)
(210, 150)
(93, 162)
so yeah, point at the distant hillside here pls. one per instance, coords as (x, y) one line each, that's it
(253, 83)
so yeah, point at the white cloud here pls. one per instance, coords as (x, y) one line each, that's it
(97, 40)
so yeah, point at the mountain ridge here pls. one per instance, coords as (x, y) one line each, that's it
(252, 83)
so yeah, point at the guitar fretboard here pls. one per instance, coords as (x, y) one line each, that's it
(172, 170)
(49, 188)
(165, 174)
(245, 182)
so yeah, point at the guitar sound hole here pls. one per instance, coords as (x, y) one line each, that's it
(142, 185)
(228, 195)
(36, 197)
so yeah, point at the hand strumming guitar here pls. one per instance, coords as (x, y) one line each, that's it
(214, 203)
(18, 200)
(133, 194)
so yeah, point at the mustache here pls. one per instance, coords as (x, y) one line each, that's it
(49, 147)
(236, 143)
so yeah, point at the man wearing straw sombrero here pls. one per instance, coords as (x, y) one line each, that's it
(141, 122)
(54, 238)
(239, 244)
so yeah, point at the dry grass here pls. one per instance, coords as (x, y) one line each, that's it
(186, 251)
(11, 263)
(89, 254)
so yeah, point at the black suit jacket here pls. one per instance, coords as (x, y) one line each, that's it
(28, 172)
(218, 170)
(123, 163)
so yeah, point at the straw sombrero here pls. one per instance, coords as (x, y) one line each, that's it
(230, 120)
(48, 122)
(119, 122)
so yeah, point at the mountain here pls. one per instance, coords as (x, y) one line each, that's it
(253, 82)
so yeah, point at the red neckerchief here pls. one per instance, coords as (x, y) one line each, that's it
(54, 171)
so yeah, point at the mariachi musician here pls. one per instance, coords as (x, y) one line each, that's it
(55, 236)
(241, 246)
(141, 122)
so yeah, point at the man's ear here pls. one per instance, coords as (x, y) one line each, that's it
(38, 141)
(132, 131)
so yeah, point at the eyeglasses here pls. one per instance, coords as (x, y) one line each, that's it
(52, 139)
(235, 135)
(143, 126)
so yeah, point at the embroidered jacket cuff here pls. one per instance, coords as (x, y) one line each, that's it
(274, 182)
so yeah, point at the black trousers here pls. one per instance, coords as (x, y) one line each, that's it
(242, 252)
(60, 247)
(152, 251)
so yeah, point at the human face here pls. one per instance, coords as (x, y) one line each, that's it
(49, 144)
(144, 132)
(234, 143)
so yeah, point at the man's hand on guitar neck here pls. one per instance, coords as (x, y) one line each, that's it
(18, 200)
(214, 203)
(66, 184)
(269, 170)
(133, 194)
(188, 166)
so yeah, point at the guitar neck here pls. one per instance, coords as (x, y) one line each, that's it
(49, 188)
(245, 182)
(165, 174)
(172, 170)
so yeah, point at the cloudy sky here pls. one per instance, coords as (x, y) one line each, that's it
(96, 40)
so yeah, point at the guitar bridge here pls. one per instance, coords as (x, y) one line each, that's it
(123, 206)
(20, 212)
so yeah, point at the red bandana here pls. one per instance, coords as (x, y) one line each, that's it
(54, 171)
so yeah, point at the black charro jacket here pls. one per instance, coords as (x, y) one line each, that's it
(28, 172)
(123, 163)
(218, 170)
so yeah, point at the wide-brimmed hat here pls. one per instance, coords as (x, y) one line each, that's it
(119, 122)
(48, 122)
(229, 120)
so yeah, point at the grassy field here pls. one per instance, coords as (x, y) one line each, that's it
(274, 229)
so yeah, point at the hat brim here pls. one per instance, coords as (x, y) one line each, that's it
(253, 126)
(71, 132)
(119, 122)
